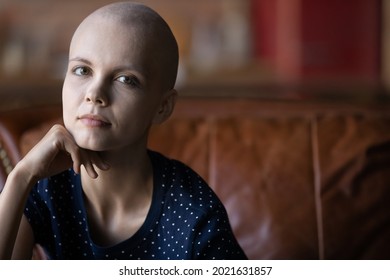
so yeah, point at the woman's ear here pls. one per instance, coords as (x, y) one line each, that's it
(166, 107)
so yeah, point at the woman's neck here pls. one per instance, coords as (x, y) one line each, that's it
(118, 201)
(127, 184)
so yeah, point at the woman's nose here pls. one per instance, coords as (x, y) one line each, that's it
(97, 93)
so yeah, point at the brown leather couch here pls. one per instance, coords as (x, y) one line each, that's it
(300, 180)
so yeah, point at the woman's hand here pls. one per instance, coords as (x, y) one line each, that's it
(58, 151)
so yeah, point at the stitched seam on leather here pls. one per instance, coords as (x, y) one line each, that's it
(317, 187)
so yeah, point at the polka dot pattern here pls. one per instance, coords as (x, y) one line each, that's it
(186, 219)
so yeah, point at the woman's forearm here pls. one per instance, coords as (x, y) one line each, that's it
(12, 201)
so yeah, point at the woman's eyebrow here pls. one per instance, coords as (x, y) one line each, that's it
(86, 61)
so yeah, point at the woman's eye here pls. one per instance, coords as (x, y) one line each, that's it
(81, 71)
(129, 80)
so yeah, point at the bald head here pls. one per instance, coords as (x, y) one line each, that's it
(152, 34)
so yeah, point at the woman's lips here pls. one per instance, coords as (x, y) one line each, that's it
(94, 120)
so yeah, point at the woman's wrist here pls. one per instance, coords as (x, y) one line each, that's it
(21, 176)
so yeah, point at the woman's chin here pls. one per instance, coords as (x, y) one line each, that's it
(90, 145)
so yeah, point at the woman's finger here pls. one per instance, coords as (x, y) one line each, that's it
(91, 162)
(90, 169)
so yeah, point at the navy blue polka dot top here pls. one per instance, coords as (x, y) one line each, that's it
(186, 219)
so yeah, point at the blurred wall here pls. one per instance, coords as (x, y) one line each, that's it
(252, 41)
(35, 34)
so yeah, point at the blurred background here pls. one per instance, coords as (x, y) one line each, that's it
(339, 47)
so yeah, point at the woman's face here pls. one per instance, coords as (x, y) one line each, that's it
(112, 91)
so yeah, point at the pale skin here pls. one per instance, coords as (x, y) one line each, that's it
(112, 94)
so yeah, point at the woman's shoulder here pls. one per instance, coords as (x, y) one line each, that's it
(183, 186)
(174, 169)
(64, 183)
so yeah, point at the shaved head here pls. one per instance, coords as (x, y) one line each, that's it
(152, 34)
